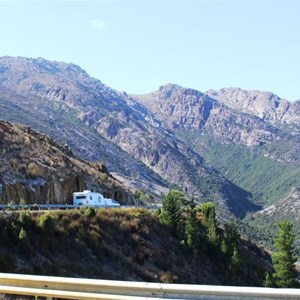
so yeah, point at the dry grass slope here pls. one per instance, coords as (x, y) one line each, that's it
(119, 244)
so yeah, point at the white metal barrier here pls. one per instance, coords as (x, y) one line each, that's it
(77, 288)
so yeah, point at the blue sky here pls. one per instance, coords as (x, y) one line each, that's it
(137, 46)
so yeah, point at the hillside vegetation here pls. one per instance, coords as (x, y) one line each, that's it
(122, 244)
(268, 180)
(262, 226)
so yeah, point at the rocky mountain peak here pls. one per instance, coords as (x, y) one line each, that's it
(168, 87)
(56, 81)
(190, 109)
(239, 98)
(264, 105)
(171, 90)
(40, 65)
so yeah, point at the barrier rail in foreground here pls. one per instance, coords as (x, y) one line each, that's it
(85, 289)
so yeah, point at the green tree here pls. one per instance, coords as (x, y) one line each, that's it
(191, 228)
(235, 260)
(231, 237)
(171, 209)
(283, 259)
(209, 211)
(89, 212)
(224, 246)
(22, 202)
(23, 236)
(268, 281)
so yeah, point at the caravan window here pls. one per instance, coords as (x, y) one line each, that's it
(91, 197)
(80, 197)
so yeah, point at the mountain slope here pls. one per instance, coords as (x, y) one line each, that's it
(35, 169)
(119, 244)
(251, 137)
(250, 168)
(191, 109)
(263, 225)
(47, 97)
(63, 101)
(256, 154)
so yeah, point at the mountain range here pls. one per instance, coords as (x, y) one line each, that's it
(235, 147)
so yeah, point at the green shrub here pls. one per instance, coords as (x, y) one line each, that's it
(24, 243)
(46, 223)
(89, 212)
(25, 218)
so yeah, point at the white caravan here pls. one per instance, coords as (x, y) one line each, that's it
(88, 198)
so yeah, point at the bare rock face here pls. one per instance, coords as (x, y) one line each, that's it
(61, 100)
(264, 105)
(178, 107)
(230, 116)
(38, 170)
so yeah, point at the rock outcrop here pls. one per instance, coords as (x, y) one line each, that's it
(35, 169)
(177, 107)
(265, 105)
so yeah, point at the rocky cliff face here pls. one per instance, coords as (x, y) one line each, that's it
(178, 107)
(38, 170)
(264, 105)
(62, 101)
(231, 116)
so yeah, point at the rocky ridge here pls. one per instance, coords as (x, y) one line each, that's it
(264, 105)
(191, 109)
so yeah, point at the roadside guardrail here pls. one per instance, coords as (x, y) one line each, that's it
(86, 289)
(68, 206)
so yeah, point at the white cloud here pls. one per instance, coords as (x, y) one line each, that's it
(98, 24)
